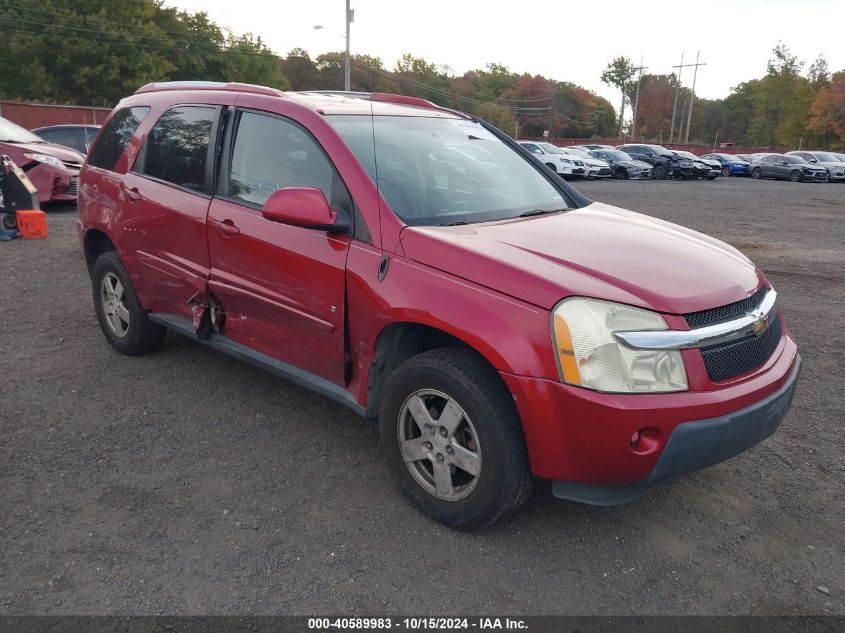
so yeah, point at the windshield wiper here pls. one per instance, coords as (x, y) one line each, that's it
(455, 223)
(528, 214)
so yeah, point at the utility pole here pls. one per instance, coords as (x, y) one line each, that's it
(692, 94)
(597, 114)
(347, 75)
(637, 101)
(677, 90)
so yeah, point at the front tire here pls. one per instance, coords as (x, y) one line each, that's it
(10, 222)
(122, 319)
(795, 176)
(726, 171)
(450, 432)
(622, 174)
(757, 173)
(659, 172)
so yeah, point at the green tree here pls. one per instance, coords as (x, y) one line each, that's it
(619, 73)
(250, 61)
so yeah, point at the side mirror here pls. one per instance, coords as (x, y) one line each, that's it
(306, 207)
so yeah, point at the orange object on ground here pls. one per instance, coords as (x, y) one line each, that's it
(32, 224)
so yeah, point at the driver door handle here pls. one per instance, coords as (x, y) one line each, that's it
(226, 227)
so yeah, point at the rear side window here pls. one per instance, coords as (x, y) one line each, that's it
(115, 135)
(176, 150)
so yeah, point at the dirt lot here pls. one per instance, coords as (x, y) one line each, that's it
(188, 482)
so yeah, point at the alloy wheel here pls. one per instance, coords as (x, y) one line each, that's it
(113, 301)
(439, 445)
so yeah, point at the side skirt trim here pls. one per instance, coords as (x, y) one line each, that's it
(258, 359)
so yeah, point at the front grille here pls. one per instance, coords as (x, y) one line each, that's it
(726, 313)
(604, 171)
(734, 359)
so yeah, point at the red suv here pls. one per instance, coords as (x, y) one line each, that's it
(420, 267)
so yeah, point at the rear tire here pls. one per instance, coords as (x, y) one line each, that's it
(480, 428)
(10, 222)
(757, 173)
(122, 319)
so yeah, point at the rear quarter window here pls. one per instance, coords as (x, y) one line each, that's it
(115, 135)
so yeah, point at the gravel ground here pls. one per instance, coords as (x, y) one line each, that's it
(186, 482)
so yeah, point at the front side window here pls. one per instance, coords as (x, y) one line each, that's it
(115, 135)
(270, 153)
(442, 171)
(176, 150)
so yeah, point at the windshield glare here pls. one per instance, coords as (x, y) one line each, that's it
(438, 171)
(551, 149)
(824, 157)
(14, 133)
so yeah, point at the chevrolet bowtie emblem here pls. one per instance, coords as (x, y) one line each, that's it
(761, 323)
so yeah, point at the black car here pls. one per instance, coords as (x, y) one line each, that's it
(658, 157)
(79, 137)
(702, 168)
(622, 165)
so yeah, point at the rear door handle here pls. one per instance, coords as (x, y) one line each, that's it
(226, 227)
(132, 194)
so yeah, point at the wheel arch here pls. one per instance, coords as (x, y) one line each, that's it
(94, 243)
(400, 340)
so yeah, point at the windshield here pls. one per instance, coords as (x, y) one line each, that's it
(689, 155)
(439, 171)
(551, 149)
(578, 152)
(795, 159)
(13, 133)
(615, 155)
(825, 157)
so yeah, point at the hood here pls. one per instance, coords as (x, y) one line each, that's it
(595, 162)
(597, 251)
(64, 154)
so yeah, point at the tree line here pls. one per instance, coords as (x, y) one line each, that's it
(786, 107)
(94, 52)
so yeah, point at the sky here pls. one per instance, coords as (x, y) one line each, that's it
(564, 40)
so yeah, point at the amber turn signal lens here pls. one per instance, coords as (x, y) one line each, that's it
(566, 353)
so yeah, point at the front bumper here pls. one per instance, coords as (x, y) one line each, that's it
(696, 445)
(583, 436)
(54, 184)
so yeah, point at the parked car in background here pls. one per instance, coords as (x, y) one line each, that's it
(623, 166)
(591, 146)
(783, 167)
(498, 334)
(835, 167)
(657, 156)
(79, 137)
(562, 163)
(731, 164)
(53, 169)
(596, 168)
(703, 168)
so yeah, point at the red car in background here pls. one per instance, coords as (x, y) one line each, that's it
(53, 169)
(422, 268)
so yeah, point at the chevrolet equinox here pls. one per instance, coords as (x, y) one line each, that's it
(420, 267)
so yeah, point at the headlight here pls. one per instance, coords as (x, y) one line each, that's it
(568, 162)
(589, 355)
(43, 158)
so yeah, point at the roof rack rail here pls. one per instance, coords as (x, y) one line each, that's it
(232, 86)
(387, 97)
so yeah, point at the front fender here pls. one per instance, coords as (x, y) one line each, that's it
(513, 336)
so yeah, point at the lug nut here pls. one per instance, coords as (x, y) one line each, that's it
(440, 457)
(427, 445)
(450, 450)
(443, 431)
